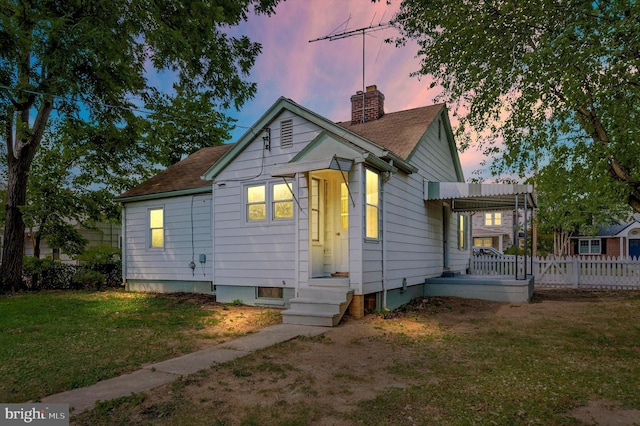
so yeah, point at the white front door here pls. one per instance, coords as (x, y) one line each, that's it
(328, 224)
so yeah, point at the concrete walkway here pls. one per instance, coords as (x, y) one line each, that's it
(158, 374)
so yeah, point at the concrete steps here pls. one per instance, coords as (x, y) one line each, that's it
(318, 306)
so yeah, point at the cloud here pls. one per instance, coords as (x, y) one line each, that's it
(323, 75)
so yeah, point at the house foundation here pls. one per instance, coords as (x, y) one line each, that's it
(356, 308)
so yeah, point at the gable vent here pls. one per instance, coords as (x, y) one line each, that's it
(286, 133)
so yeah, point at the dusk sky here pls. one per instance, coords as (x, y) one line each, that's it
(323, 75)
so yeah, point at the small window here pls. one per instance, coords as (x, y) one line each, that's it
(589, 246)
(462, 232)
(256, 203)
(270, 293)
(482, 242)
(493, 219)
(286, 133)
(344, 206)
(315, 210)
(156, 228)
(372, 185)
(282, 201)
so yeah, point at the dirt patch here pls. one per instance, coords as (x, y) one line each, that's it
(606, 413)
(225, 322)
(327, 377)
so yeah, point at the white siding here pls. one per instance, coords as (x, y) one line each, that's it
(187, 234)
(413, 236)
(433, 157)
(264, 254)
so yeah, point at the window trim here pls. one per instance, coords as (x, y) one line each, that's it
(279, 289)
(374, 206)
(482, 241)
(273, 200)
(150, 245)
(462, 231)
(492, 221)
(248, 204)
(269, 202)
(315, 211)
(589, 246)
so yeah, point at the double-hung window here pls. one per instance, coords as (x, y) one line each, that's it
(256, 203)
(315, 209)
(282, 201)
(462, 232)
(372, 207)
(156, 227)
(268, 202)
(589, 246)
(493, 219)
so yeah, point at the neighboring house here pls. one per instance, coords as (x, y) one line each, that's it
(496, 229)
(302, 212)
(493, 229)
(99, 234)
(615, 240)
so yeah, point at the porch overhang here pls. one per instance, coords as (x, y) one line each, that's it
(290, 169)
(468, 197)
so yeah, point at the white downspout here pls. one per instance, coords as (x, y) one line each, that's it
(213, 238)
(384, 245)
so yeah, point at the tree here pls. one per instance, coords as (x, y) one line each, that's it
(547, 79)
(62, 192)
(87, 63)
(570, 203)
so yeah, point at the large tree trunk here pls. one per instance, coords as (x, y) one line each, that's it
(11, 267)
(19, 158)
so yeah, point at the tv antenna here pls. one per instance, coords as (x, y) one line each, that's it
(360, 31)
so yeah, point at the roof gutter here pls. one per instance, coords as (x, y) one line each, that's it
(180, 193)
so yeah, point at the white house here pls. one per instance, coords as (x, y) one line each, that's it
(305, 213)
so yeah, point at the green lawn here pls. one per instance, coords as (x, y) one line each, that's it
(56, 341)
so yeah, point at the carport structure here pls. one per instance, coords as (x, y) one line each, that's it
(476, 197)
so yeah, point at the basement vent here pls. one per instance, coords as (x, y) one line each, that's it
(286, 133)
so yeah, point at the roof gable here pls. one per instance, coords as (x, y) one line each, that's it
(185, 175)
(401, 132)
(287, 104)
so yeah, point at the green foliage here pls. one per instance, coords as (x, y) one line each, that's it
(105, 260)
(79, 78)
(99, 267)
(47, 274)
(88, 279)
(542, 83)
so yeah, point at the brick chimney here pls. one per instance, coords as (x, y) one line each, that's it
(373, 105)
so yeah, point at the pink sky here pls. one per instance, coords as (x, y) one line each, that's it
(323, 75)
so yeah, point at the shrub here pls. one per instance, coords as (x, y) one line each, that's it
(46, 274)
(105, 260)
(88, 279)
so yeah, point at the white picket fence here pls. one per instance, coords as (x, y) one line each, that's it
(566, 272)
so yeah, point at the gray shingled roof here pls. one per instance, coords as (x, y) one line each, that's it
(181, 176)
(399, 132)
